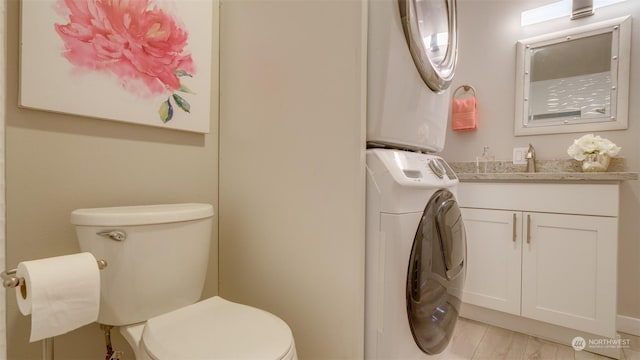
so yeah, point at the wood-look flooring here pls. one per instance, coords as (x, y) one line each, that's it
(473, 340)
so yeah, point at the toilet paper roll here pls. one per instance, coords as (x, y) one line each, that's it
(60, 293)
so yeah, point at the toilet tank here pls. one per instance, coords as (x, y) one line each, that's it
(156, 255)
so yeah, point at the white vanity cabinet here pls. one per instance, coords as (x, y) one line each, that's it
(543, 251)
(494, 259)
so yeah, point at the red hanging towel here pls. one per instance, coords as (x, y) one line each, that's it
(464, 114)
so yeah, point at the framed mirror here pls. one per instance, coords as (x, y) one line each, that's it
(574, 80)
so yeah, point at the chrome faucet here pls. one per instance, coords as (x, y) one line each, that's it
(531, 159)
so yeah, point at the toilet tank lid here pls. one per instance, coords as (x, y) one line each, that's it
(141, 214)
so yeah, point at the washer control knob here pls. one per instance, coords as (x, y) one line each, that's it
(436, 167)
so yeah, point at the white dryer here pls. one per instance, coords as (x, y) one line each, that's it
(415, 255)
(412, 53)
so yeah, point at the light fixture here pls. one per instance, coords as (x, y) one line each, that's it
(581, 8)
(575, 9)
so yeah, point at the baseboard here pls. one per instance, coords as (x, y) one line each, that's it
(629, 325)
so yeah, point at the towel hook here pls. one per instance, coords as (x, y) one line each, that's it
(466, 88)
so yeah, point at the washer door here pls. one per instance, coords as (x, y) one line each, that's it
(431, 32)
(436, 273)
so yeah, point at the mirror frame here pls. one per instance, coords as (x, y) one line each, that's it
(618, 118)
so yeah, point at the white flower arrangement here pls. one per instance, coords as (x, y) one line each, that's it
(590, 144)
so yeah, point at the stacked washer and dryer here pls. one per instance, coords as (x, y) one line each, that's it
(415, 238)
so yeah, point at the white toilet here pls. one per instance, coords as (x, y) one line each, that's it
(157, 260)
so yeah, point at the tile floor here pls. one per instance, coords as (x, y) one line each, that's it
(473, 340)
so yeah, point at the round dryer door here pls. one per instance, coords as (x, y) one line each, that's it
(431, 33)
(436, 273)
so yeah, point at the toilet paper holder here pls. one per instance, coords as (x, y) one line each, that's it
(10, 280)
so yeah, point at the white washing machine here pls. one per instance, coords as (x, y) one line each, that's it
(415, 255)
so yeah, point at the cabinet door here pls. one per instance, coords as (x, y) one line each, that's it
(493, 259)
(569, 266)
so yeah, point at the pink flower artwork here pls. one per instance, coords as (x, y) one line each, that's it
(135, 40)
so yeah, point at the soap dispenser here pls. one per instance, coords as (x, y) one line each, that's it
(482, 161)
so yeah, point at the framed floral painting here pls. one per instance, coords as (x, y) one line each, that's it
(141, 61)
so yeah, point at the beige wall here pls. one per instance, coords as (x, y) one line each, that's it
(487, 61)
(56, 163)
(292, 167)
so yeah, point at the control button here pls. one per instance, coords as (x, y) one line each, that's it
(450, 174)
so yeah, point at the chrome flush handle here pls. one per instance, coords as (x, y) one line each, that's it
(117, 235)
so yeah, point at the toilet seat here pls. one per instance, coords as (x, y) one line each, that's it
(217, 329)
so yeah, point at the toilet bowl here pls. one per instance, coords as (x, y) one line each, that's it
(158, 256)
(212, 329)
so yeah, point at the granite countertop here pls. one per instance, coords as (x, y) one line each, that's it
(549, 176)
(546, 171)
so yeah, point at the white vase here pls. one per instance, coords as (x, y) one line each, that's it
(596, 163)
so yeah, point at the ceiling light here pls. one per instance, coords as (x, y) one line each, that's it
(560, 9)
